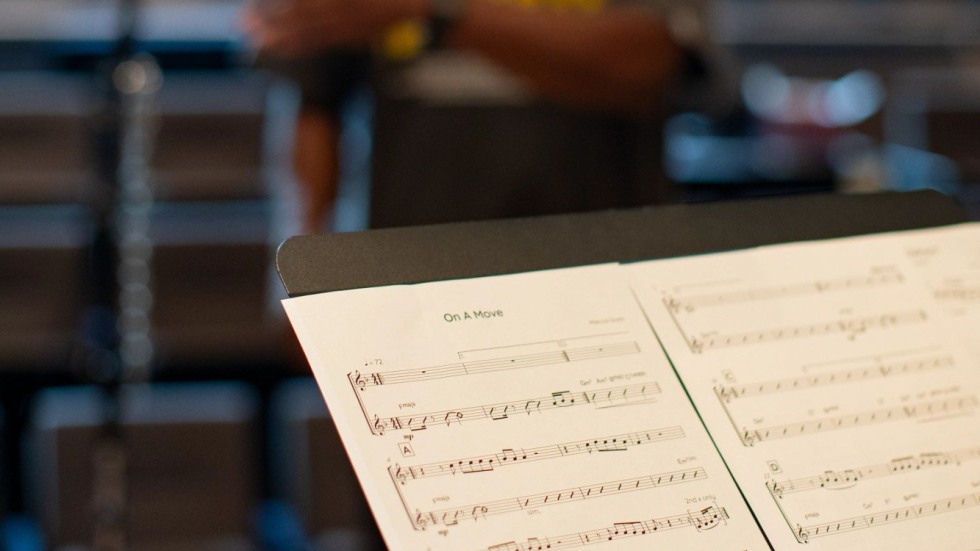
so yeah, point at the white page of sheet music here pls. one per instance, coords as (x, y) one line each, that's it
(948, 260)
(839, 379)
(521, 412)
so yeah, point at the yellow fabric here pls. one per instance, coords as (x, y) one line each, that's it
(406, 40)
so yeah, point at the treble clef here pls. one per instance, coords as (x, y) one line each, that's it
(379, 426)
(725, 394)
(697, 345)
(421, 520)
(400, 474)
(776, 489)
(802, 535)
(359, 380)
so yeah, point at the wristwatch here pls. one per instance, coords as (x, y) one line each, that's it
(443, 17)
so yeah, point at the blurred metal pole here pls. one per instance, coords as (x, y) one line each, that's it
(116, 345)
(138, 80)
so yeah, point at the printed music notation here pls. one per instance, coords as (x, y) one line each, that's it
(363, 381)
(959, 288)
(510, 456)
(850, 327)
(875, 371)
(957, 294)
(610, 397)
(919, 411)
(806, 533)
(692, 303)
(834, 480)
(455, 515)
(763, 346)
(705, 519)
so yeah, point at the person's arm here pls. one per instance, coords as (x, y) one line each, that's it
(325, 83)
(316, 166)
(619, 58)
(616, 58)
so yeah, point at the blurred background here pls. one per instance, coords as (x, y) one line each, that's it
(157, 242)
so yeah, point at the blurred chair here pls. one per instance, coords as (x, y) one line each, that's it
(192, 465)
(211, 225)
(209, 138)
(312, 474)
(42, 254)
(211, 279)
(45, 148)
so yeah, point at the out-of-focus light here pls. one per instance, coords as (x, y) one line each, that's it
(766, 91)
(853, 98)
(772, 96)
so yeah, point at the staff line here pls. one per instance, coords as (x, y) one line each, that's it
(363, 381)
(805, 533)
(919, 410)
(515, 456)
(705, 519)
(479, 511)
(847, 478)
(850, 326)
(631, 394)
(870, 372)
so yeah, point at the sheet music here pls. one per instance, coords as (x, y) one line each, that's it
(840, 381)
(533, 411)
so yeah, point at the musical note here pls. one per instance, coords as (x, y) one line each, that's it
(939, 507)
(611, 397)
(564, 398)
(836, 480)
(712, 515)
(511, 456)
(623, 396)
(850, 327)
(414, 423)
(498, 414)
(919, 410)
(450, 518)
(876, 371)
(707, 518)
(495, 364)
(566, 495)
(453, 417)
(478, 512)
(957, 294)
(631, 527)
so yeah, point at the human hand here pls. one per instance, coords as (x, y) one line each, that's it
(295, 27)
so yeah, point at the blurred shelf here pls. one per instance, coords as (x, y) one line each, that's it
(849, 23)
(212, 270)
(77, 34)
(162, 21)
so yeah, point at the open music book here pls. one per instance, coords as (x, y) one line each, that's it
(821, 394)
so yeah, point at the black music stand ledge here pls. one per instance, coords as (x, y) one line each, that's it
(334, 262)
